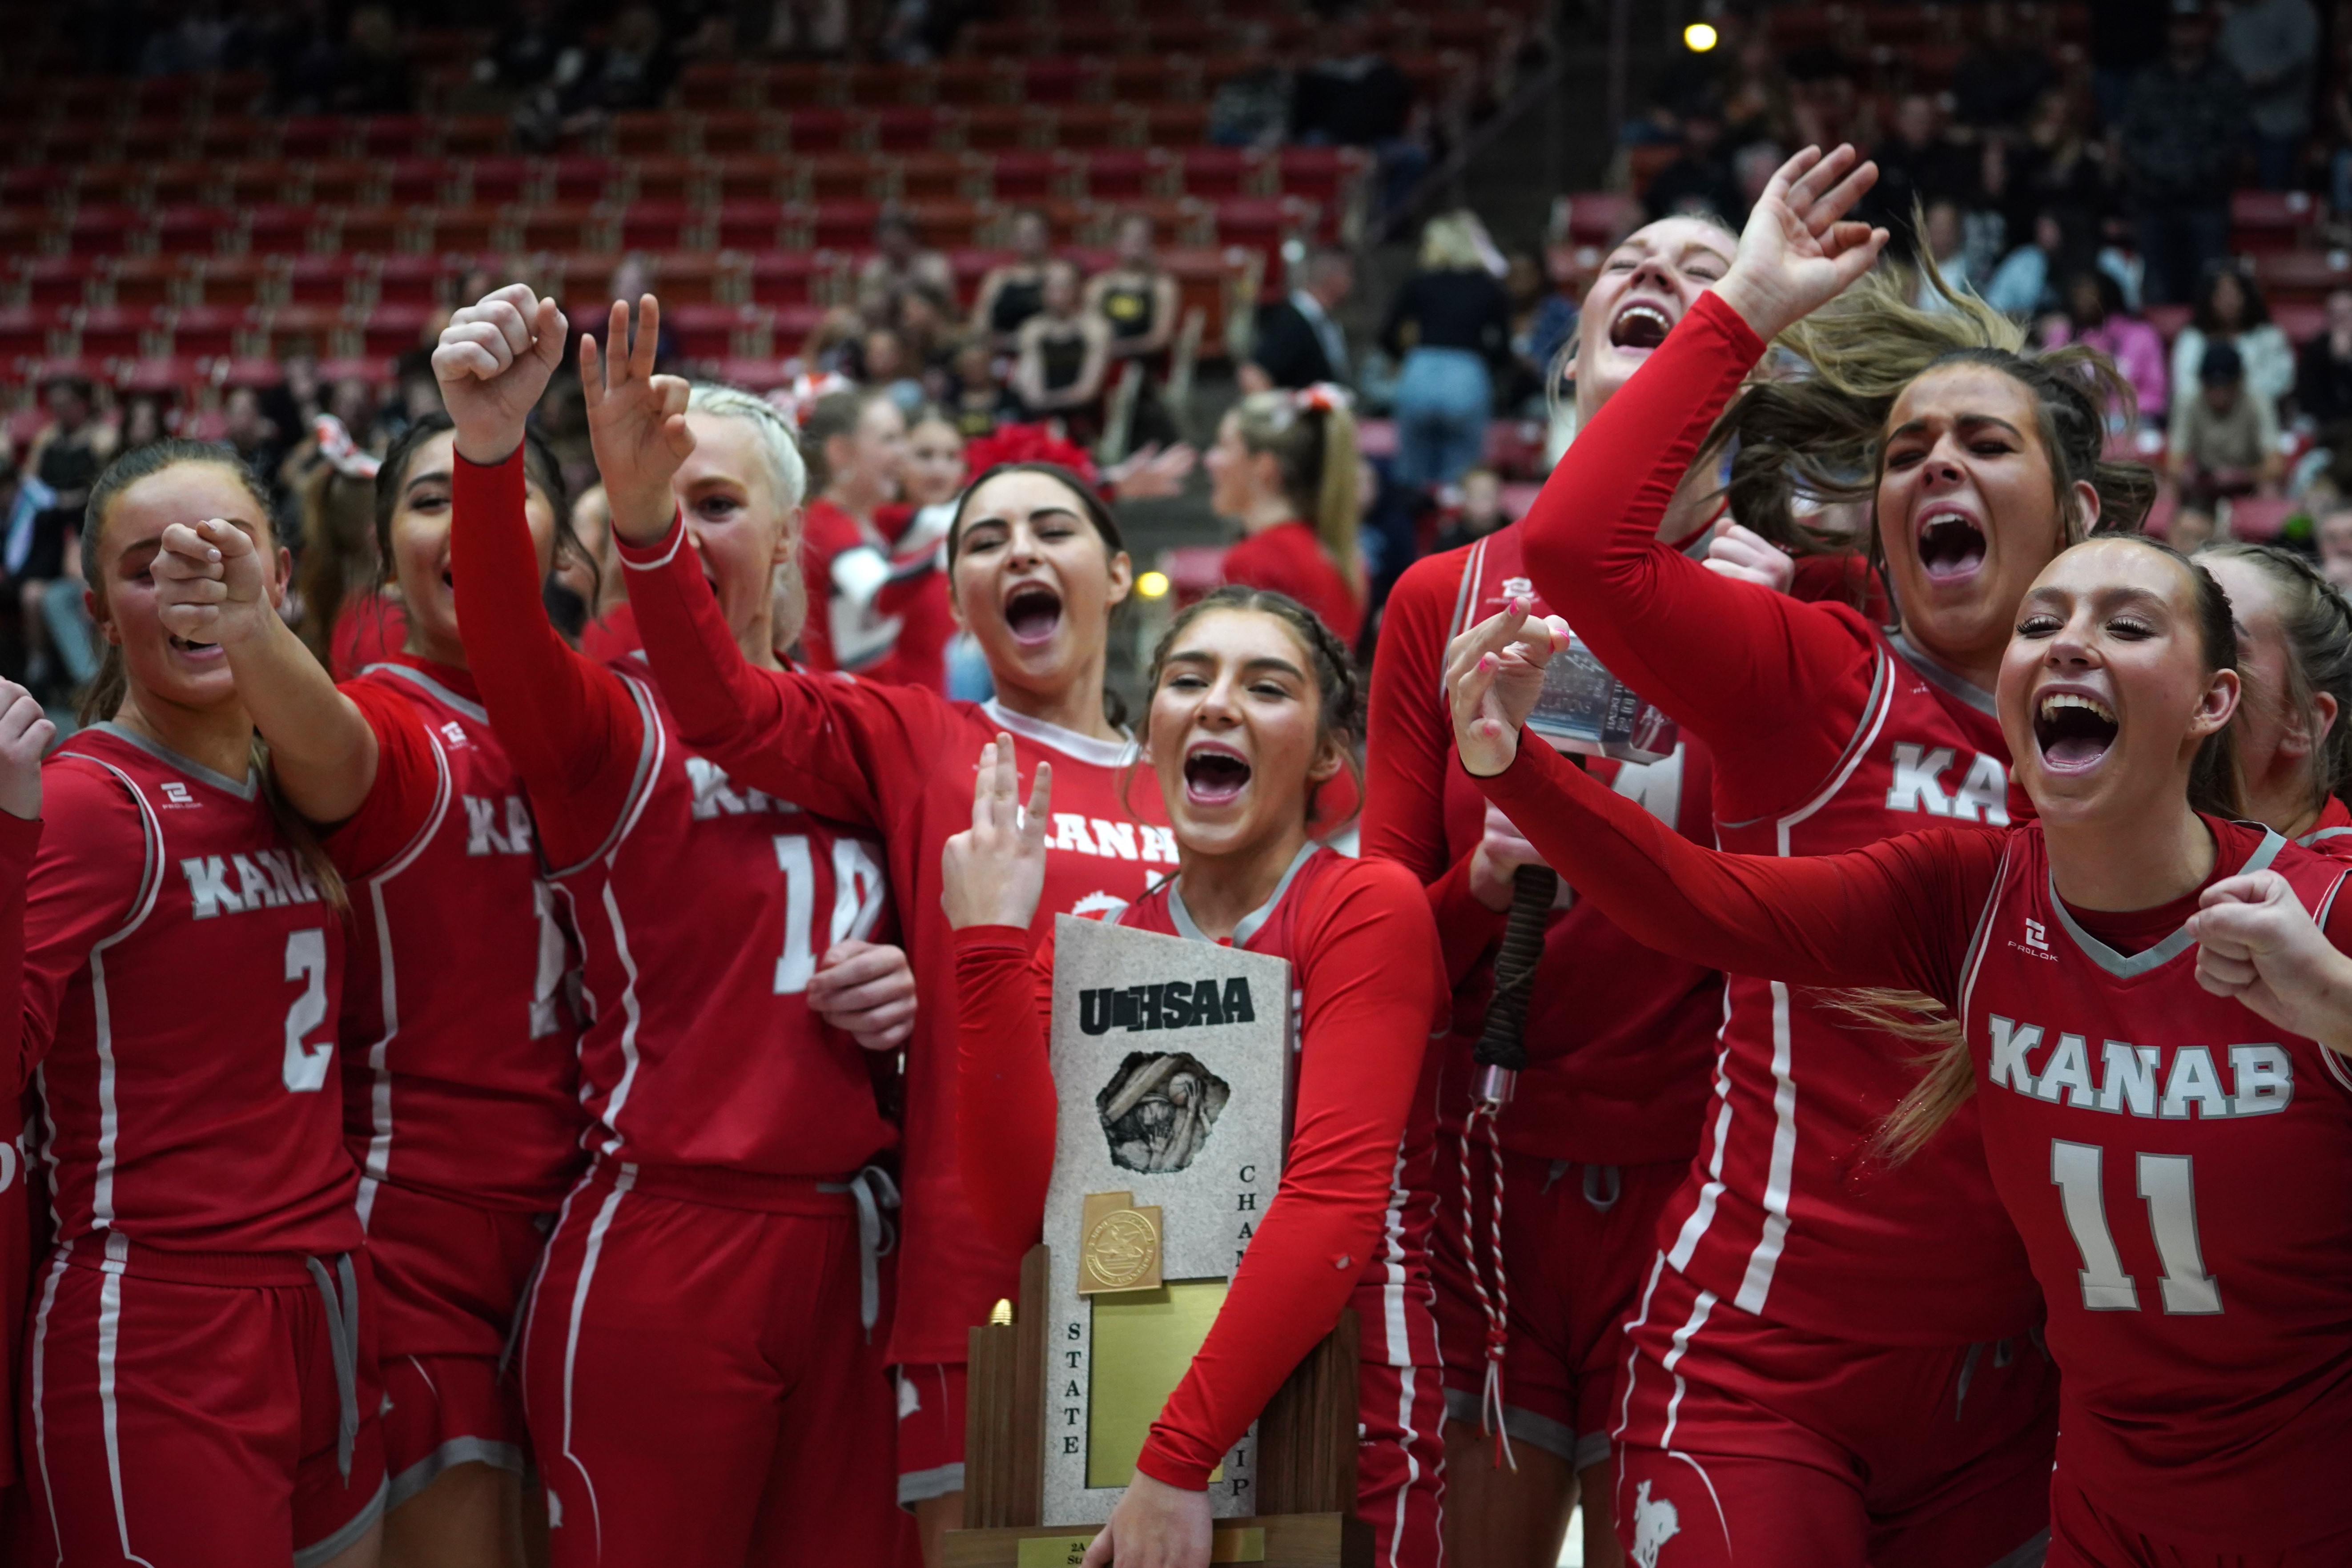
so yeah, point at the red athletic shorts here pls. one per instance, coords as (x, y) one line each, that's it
(930, 1432)
(205, 1410)
(2084, 1535)
(699, 1384)
(1745, 1442)
(1577, 1245)
(450, 1279)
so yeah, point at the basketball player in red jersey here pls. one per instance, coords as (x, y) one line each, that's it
(460, 1095)
(1035, 566)
(201, 1193)
(1606, 1117)
(1853, 1338)
(25, 733)
(731, 1129)
(2137, 1139)
(2295, 656)
(1254, 707)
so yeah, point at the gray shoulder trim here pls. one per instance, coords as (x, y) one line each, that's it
(441, 694)
(1250, 924)
(248, 790)
(1936, 675)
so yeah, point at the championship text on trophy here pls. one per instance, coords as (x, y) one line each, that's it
(1175, 1065)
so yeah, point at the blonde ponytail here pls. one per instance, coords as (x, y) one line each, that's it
(1312, 438)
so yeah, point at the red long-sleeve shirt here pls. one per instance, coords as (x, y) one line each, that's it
(2138, 1128)
(897, 761)
(700, 907)
(1290, 560)
(1363, 955)
(1828, 733)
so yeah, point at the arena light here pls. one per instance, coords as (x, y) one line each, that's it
(1699, 38)
(1152, 585)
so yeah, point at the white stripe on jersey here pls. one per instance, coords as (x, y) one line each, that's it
(109, 1339)
(1701, 1309)
(109, 1118)
(1633, 1356)
(626, 1179)
(378, 1163)
(1412, 1465)
(40, 1385)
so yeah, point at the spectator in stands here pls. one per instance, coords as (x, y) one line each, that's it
(537, 46)
(2002, 75)
(198, 41)
(2123, 45)
(883, 362)
(977, 400)
(2335, 536)
(925, 321)
(2060, 163)
(1011, 293)
(1918, 166)
(1138, 300)
(2180, 136)
(1756, 106)
(2322, 377)
(1356, 97)
(142, 423)
(2192, 528)
(2225, 440)
(2095, 315)
(1451, 323)
(1252, 108)
(1476, 514)
(1752, 168)
(1698, 183)
(2273, 46)
(1064, 352)
(61, 466)
(1948, 242)
(2025, 284)
(1549, 331)
(2229, 309)
(632, 70)
(258, 440)
(1297, 340)
(900, 261)
(371, 76)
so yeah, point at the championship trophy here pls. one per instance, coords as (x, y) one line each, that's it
(1175, 1065)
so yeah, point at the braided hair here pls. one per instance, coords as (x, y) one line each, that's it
(2317, 625)
(1340, 711)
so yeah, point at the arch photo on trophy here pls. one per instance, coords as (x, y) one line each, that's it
(1158, 1110)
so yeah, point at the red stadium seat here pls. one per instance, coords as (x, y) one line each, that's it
(250, 181)
(838, 177)
(394, 329)
(656, 179)
(696, 278)
(319, 136)
(1032, 176)
(1002, 127)
(310, 281)
(586, 177)
(194, 231)
(379, 229)
(461, 135)
(417, 279)
(285, 230)
(660, 226)
(644, 132)
(1600, 218)
(764, 373)
(839, 225)
(1051, 81)
(494, 182)
(719, 331)
(116, 331)
(114, 184)
(35, 187)
(1168, 124)
(209, 331)
(966, 81)
(2270, 220)
(28, 332)
(2304, 275)
(1091, 125)
(936, 176)
(104, 230)
(51, 281)
(550, 227)
(1126, 174)
(796, 277)
(1216, 172)
(359, 182)
(150, 280)
(450, 228)
(172, 375)
(247, 370)
(750, 225)
(287, 330)
(2259, 519)
(910, 130)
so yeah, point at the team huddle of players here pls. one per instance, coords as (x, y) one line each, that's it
(488, 1067)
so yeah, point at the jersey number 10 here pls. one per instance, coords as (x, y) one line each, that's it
(858, 890)
(2166, 1183)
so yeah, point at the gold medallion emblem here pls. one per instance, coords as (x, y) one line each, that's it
(1118, 1247)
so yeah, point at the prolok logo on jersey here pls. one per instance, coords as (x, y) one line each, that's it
(1982, 794)
(175, 794)
(716, 795)
(455, 733)
(266, 879)
(2037, 936)
(1120, 840)
(2138, 1081)
(482, 835)
(1177, 1004)
(1656, 1522)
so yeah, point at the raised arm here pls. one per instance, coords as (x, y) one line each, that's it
(1897, 913)
(1738, 666)
(993, 873)
(215, 583)
(573, 729)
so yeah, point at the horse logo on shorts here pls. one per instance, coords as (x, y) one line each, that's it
(1655, 1523)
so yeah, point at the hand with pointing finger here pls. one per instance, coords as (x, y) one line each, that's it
(637, 422)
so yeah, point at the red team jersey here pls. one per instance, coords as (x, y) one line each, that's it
(1290, 560)
(457, 1042)
(897, 762)
(871, 611)
(2139, 1128)
(1620, 1037)
(1827, 734)
(203, 1115)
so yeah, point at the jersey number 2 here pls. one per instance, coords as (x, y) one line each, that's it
(858, 893)
(306, 963)
(2166, 1185)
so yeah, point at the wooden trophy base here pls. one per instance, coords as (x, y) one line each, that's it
(1277, 1541)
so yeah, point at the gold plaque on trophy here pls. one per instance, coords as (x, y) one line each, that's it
(1118, 1244)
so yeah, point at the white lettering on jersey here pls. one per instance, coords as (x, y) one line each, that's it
(454, 732)
(1983, 795)
(267, 879)
(2262, 1075)
(715, 795)
(1083, 835)
(1158, 845)
(176, 794)
(482, 835)
(1656, 1522)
